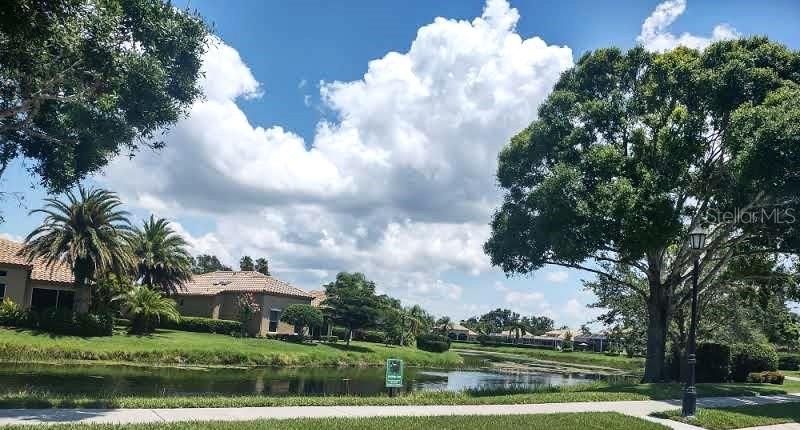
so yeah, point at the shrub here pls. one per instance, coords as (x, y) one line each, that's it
(369, 336)
(713, 362)
(789, 362)
(776, 378)
(339, 332)
(62, 321)
(302, 316)
(203, 325)
(749, 358)
(146, 308)
(10, 313)
(433, 343)
(329, 339)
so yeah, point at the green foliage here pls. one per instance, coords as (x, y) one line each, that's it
(749, 358)
(262, 266)
(10, 313)
(160, 254)
(632, 149)
(785, 362)
(302, 316)
(351, 302)
(89, 232)
(146, 308)
(713, 362)
(57, 321)
(246, 264)
(84, 81)
(433, 343)
(203, 325)
(205, 263)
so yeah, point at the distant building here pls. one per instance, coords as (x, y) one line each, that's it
(34, 283)
(214, 295)
(459, 332)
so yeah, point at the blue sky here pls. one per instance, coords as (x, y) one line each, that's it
(362, 135)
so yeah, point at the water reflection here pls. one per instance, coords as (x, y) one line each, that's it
(121, 380)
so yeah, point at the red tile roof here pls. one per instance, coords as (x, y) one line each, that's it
(210, 284)
(39, 268)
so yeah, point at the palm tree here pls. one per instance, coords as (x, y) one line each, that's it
(160, 254)
(518, 326)
(444, 324)
(88, 232)
(146, 307)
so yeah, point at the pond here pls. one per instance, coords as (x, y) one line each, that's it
(169, 381)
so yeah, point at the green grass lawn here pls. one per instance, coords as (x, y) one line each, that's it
(178, 347)
(604, 420)
(741, 417)
(795, 373)
(620, 362)
(598, 391)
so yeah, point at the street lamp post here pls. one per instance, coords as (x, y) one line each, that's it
(697, 240)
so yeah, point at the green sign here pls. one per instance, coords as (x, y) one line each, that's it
(394, 373)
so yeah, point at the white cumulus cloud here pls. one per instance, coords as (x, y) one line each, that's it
(655, 35)
(398, 180)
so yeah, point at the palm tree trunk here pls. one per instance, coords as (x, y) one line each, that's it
(83, 291)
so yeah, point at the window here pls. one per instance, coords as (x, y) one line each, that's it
(3, 273)
(43, 298)
(274, 317)
(2, 291)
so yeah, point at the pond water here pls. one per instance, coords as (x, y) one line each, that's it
(121, 380)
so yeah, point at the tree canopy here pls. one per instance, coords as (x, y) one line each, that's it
(633, 149)
(351, 302)
(205, 263)
(84, 80)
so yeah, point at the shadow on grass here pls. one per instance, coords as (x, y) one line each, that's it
(351, 348)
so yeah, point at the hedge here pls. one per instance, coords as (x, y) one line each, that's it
(203, 325)
(433, 343)
(751, 358)
(58, 321)
(789, 362)
(713, 362)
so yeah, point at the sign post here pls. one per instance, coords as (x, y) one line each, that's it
(394, 375)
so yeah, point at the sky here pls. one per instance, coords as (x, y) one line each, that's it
(363, 136)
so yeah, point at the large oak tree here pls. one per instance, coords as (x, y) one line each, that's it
(634, 149)
(84, 80)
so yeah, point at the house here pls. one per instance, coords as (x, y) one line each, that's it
(459, 332)
(34, 284)
(560, 333)
(214, 295)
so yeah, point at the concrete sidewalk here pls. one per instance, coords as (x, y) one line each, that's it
(634, 408)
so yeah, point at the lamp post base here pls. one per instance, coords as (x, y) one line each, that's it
(689, 405)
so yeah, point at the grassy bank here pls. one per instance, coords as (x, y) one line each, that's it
(620, 362)
(741, 417)
(177, 347)
(604, 420)
(579, 393)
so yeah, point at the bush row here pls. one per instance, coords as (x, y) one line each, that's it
(789, 362)
(721, 363)
(203, 325)
(58, 321)
(433, 343)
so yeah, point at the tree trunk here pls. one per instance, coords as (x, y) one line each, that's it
(83, 291)
(658, 321)
(84, 295)
(349, 335)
